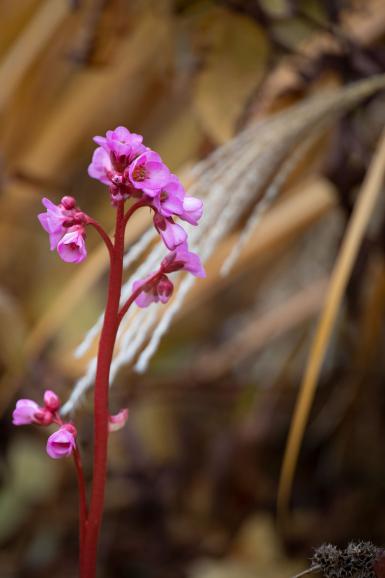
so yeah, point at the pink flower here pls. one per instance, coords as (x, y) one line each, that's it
(118, 421)
(159, 290)
(171, 233)
(52, 222)
(61, 222)
(183, 259)
(122, 146)
(25, 412)
(192, 210)
(101, 167)
(28, 411)
(72, 247)
(148, 173)
(62, 443)
(51, 401)
(169, 200)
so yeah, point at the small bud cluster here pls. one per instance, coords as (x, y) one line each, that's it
(356, 561)
(65, 224)
(62, 442)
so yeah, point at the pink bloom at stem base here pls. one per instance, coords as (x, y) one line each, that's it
(62, 442)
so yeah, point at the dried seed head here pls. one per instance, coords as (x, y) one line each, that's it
(356, 561)
(360, 558)
(330, 559)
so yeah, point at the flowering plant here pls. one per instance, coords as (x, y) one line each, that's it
(135, 174)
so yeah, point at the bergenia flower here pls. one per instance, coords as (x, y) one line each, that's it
(192, 210)
(65, 226)
(171, 233)
(122, 146)
(25, 412)
(72, 247)
(62, 443)
(117, 421)
(28, 411)
(148, 173)
(101, 167)
(183, 259)
(52, 222)
(169, 200)
(159, 290)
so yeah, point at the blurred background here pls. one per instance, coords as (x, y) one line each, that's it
(193, 478)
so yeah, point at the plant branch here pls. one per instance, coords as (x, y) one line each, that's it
(132, 210)
(101, 411)
(103, 234)
(123, 310)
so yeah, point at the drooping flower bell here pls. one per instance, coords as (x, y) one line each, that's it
(171, 233)
(183, 259)
(62, 442)
(65, 224)
(156, 291)
(72, 246)
(192, 210)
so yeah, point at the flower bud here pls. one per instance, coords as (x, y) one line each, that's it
(117, 421)
(51, 400)
(68, 203)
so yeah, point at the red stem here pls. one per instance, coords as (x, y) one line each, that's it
(82, 504)
(90, 530)
(101, 412)
(103, 234)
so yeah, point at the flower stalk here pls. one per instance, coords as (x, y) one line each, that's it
(131, 171)
(101, 411)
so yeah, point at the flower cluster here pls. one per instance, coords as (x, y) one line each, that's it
(132, 170)
(65, 225)
(62, 442)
